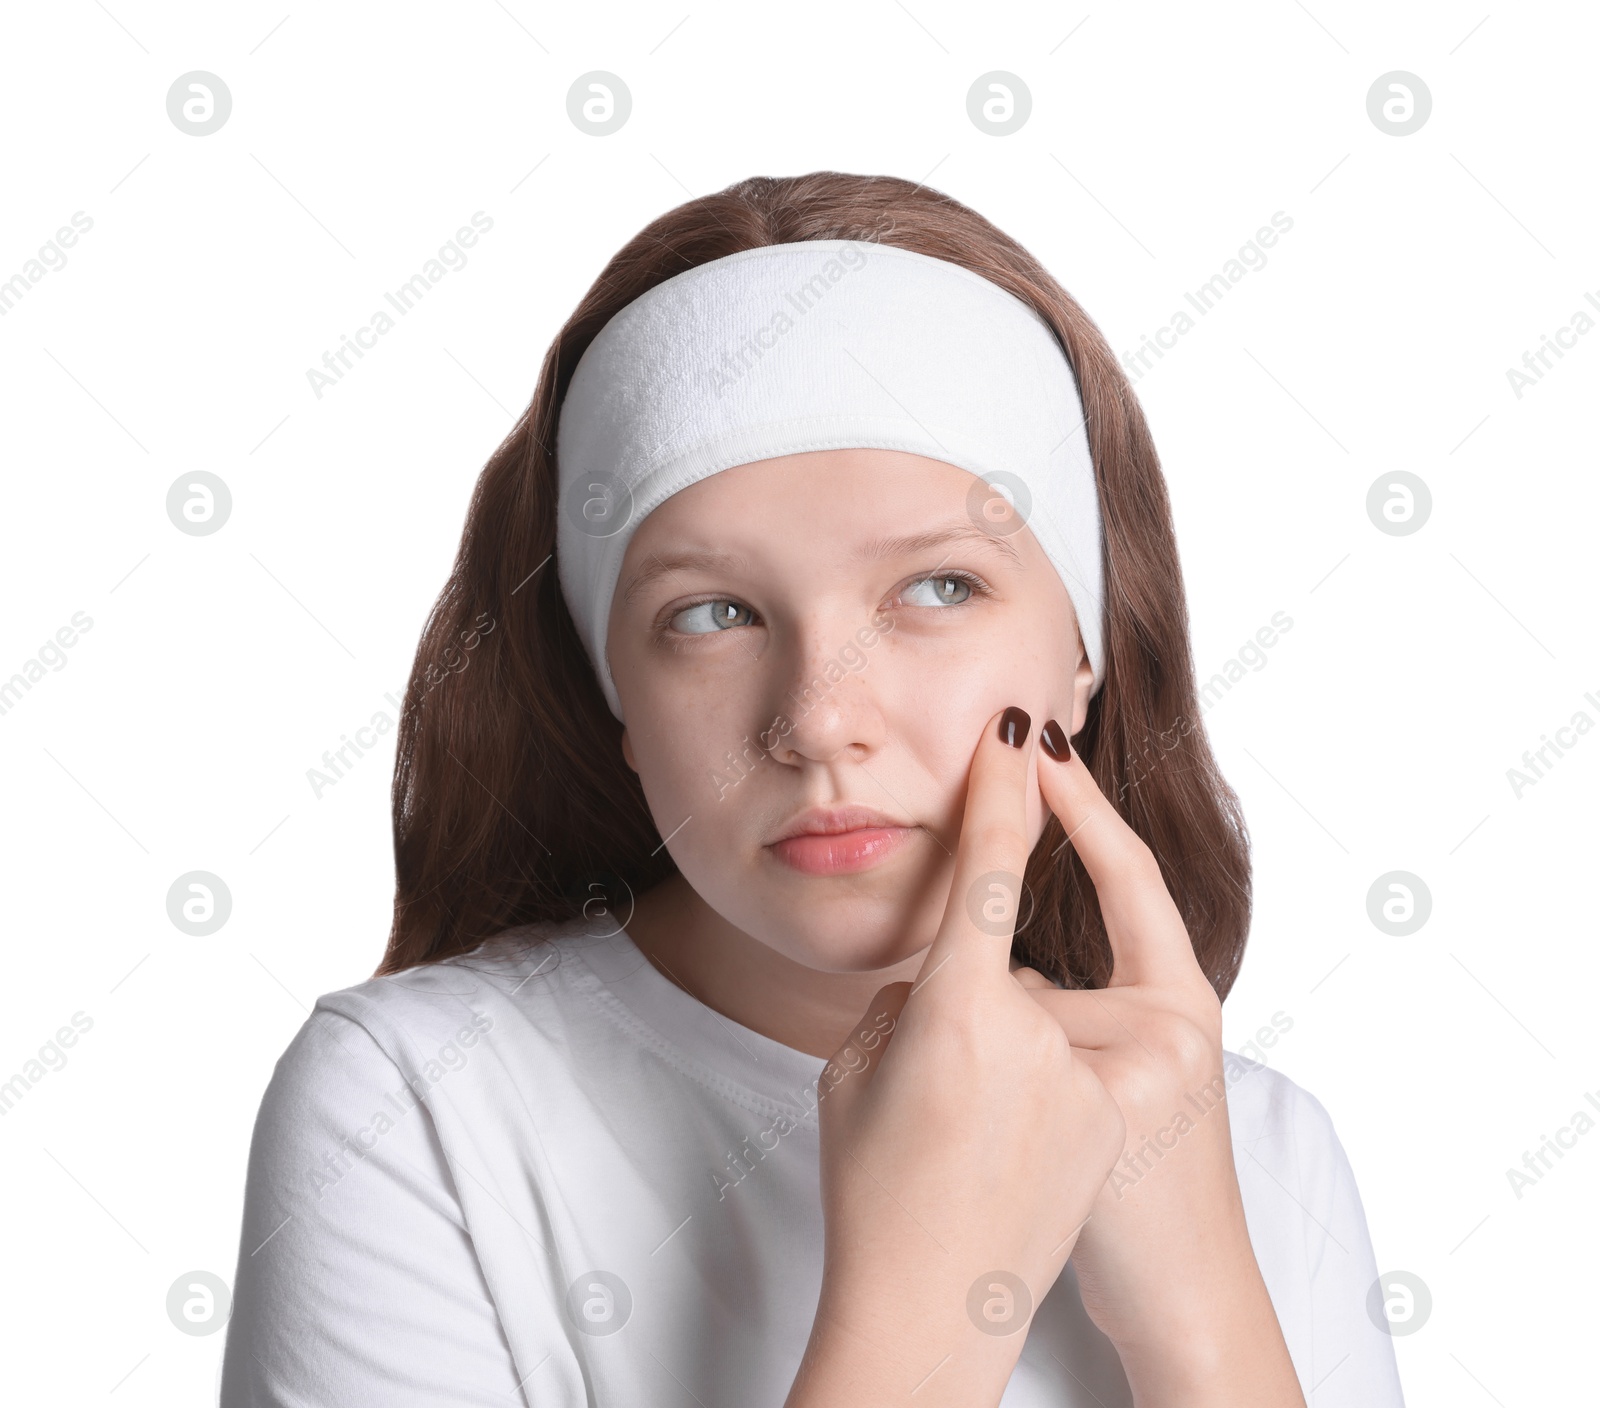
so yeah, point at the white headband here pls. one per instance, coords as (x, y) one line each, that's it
(820, 345)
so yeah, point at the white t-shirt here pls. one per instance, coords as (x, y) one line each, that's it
(545, 1174)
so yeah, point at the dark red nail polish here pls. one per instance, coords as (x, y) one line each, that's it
(1053, 739)
(1014, 725)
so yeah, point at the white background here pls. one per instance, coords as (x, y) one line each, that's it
(1377, 736)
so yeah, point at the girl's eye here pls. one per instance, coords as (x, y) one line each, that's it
(706, 617)
(946, 590)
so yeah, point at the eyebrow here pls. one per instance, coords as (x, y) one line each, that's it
(679, 562)
(878, 549)
(958, 532)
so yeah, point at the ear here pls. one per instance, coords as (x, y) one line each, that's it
(627, 751)
(1082, 683)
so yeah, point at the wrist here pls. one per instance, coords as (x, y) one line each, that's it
(907, 1343)
(1182, 1267)
(1219, 1344)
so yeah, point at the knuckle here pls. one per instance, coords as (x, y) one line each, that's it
(1186, 1047)
(949, 1029)
(1047, 1041)
(1144, 1085)
(1181, 1045)
(1134, 861)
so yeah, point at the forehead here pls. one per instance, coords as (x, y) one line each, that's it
(840, 508)
(826, 497)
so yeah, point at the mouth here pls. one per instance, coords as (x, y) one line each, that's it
(839, 840)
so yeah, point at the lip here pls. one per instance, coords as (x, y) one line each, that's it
(838, 840)
(834, 821)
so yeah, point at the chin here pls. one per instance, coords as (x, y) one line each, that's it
(847, 938)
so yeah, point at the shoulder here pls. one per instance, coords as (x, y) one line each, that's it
(357, 1277)
(1293, 1170)
(437, 1013)
(406, 1031)
(356, 1084)
(1309, 1231)
(1280, 1129)
(1266, 1105)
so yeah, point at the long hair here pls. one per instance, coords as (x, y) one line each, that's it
(512, 803)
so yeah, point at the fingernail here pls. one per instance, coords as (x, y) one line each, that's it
(1053, 739)
(1014, 725)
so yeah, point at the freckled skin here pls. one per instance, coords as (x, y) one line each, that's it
(780, 951)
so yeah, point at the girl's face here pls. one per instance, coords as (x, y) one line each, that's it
(818, 639)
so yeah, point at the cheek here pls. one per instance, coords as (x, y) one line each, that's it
(701, 771)
(705, 788)
(940, 709)
(681, 719)
(934, 715)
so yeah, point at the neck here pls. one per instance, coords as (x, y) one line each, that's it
(732, 973)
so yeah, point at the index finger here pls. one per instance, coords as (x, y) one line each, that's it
(1149, 941)
(980, 916)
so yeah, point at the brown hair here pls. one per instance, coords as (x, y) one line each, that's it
(512, 802)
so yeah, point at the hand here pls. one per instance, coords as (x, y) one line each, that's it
(1165, 1266)
(963, 1150)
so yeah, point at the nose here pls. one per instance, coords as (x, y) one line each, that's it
(828, 694)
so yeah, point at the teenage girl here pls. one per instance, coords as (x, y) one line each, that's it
(815, 892)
